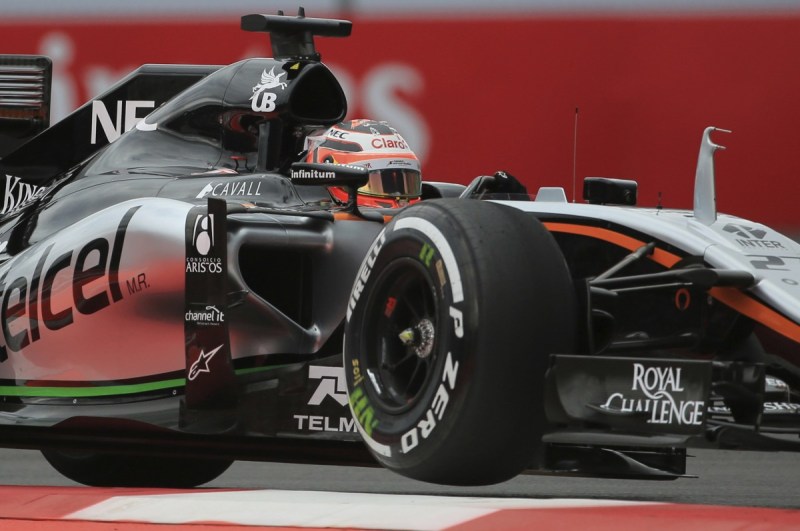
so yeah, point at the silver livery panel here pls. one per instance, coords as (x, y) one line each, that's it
(101, 300)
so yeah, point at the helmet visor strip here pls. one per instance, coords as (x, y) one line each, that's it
(394, 182)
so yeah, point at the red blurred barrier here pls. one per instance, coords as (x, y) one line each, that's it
(473, 96)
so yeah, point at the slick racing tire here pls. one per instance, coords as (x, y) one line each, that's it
(114, 470)
(450, 324)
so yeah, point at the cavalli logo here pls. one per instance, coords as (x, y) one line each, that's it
(247, 188)
(265, 101)
(659, 385)
(201, 364)
(28, 300)
(18, 194)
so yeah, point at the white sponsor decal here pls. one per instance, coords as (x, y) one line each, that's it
(313, 174)
(782, 406)
(210, 316)
(203, 233)
(125, 119)
(204, 265)
(320, 423)
(658, 384)
(769, 407)
(332, 384)
(775, 383)
(203, 240)
(247, 188)
(18, 194)
(201, 365)
(265, 101)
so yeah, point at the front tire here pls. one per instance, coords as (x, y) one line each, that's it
(450, 324)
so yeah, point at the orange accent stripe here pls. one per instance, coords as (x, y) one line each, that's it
(659, 256)
(757, 311)
(347, 216)
(736, 299)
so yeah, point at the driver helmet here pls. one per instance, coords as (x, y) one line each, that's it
(394, 170)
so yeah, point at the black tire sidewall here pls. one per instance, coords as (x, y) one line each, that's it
(401, 433)
(509, 266)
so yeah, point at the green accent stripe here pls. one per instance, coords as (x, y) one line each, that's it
(82, 392)
(106, 390)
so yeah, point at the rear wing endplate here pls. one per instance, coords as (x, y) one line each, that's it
(24, 98)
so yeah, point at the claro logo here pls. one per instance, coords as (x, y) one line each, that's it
(31, 298)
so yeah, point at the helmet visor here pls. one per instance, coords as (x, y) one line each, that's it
(393, 183)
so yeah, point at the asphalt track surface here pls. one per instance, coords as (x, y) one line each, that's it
(755, 479)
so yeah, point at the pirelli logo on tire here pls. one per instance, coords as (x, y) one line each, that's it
(410, 251)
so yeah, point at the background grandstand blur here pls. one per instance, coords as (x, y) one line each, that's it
(481, 86)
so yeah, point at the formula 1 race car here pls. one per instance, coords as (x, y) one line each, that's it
(180, 290)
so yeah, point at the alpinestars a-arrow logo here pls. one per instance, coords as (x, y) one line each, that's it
(201, 365)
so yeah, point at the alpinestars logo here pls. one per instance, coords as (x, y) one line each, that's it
(265, 101)
(201, 365)
(332, 384)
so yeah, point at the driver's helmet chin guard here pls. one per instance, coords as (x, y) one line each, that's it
(394, 170)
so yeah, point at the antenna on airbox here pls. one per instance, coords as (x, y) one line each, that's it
(293, 37)
(574, 153)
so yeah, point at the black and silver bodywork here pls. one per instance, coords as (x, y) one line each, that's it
(177, 288)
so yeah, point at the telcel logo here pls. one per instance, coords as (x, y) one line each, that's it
(32, 297)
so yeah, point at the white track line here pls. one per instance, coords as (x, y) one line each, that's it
(317, 509)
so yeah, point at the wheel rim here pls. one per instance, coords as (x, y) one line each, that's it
(400, 336)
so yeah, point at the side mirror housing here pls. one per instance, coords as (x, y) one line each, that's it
(604, 191)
